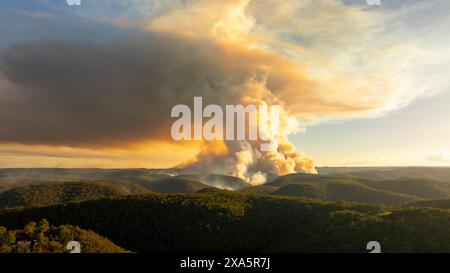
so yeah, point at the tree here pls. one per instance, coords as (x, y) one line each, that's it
(43, 226)
(30, 229)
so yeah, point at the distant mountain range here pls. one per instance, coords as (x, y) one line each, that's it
(386, 186)
(387, 173)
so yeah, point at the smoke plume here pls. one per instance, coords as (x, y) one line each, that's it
(111, 83)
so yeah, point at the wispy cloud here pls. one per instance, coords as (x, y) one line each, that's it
(441, 157)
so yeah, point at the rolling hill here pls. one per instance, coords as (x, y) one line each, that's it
(389, 173)
(440, 204)
(174, 185)
(422, 188)
(336, 188)
(185, 182)
(68, 175)
(345, 191)
(10, 178)
(210, 189)
(218, 181)
(262, 189)
(45, 194)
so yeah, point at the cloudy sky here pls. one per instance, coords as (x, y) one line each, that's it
(93, 85)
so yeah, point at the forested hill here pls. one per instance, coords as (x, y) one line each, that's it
(237, 222)
(42, 237)
(44, 194)
(341, 187)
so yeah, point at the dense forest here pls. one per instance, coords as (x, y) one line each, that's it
(179, 212)
(236, 222)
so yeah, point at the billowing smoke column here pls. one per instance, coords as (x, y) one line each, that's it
(255, 160)
(244, 160)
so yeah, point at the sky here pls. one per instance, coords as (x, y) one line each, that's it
(93, 85)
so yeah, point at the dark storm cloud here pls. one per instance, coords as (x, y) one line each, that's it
(89, 93)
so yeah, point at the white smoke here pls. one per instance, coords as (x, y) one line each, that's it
(245, 158)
